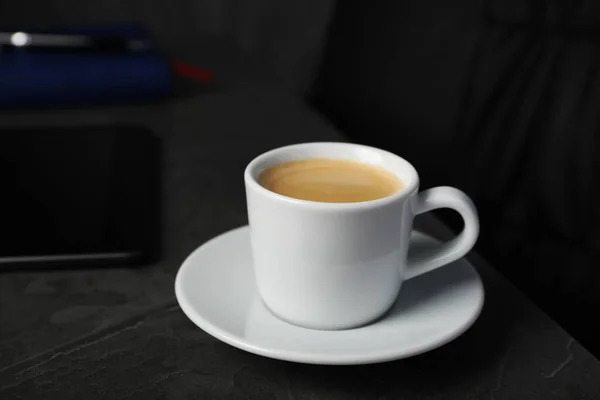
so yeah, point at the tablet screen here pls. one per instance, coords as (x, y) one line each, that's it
(80, 195)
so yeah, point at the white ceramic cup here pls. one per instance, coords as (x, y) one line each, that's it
(341, 265)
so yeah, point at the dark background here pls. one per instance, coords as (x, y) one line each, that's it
(499, 98)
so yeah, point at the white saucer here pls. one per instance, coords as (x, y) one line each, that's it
(215, 288)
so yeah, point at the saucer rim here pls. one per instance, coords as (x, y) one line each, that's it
(313, 358)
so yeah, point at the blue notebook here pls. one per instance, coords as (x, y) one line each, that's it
(29, 78)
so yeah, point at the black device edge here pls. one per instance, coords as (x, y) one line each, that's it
(132, 259)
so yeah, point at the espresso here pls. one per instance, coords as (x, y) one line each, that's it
(330, 180)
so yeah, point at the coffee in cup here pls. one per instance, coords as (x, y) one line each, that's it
(330, 180)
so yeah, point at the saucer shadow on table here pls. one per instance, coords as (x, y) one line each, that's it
(480, 352)
(469, 358)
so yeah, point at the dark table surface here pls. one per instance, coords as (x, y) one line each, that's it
(119, 333)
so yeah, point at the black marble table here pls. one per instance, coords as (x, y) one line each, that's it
(119, 334)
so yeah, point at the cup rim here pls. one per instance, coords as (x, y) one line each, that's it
(252, 183)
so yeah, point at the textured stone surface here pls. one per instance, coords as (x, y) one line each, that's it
(118, 333)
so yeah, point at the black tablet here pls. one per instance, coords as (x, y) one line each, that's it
(79, 196)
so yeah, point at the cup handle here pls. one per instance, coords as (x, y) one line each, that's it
(445, 197)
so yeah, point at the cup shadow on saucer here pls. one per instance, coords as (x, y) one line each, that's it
(423, 290)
